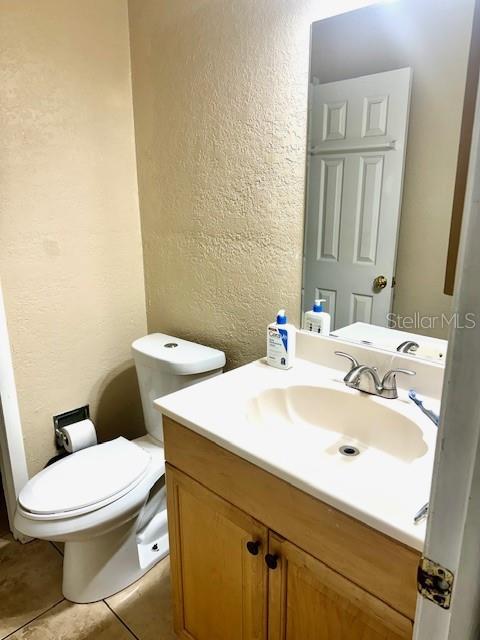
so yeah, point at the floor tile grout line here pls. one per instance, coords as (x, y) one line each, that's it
(124, 624)
(32, 620)
(120, 620)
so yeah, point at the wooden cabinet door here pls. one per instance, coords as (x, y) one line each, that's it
(219, 585)
(309, 601)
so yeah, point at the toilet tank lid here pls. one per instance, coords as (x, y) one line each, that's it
(179, 357)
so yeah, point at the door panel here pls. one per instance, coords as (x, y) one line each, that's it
(374, 118)
(219, 587)
(331, 182)
(357, 140)
(334, 120)
(361, 308)
(368, 209)
(309, 601)
(329, 304)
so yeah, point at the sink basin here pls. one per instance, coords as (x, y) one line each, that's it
(351, 420)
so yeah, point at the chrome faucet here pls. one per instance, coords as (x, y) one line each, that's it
(409, 346)
(358, 375)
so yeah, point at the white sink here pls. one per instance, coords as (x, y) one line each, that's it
(294, 428)
(346, 419)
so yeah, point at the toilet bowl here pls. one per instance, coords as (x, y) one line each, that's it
(107, 503)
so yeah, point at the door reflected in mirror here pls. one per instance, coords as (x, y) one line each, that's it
(386, 100)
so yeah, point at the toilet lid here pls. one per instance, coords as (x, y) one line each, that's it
(86, 478)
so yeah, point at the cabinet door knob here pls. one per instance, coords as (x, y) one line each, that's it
(253, 547)
(271, 560)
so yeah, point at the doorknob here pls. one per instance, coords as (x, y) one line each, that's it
(380, 282)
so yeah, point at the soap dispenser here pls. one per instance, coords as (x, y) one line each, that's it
(281, 338)
(317, 320)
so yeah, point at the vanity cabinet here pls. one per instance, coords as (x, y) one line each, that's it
(219, 585)
(254, 558)
(309, 601)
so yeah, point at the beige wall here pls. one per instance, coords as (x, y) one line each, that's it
(432, 37)
(220, 97)
(71, 256)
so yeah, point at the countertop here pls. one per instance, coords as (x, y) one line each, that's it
(383, 491)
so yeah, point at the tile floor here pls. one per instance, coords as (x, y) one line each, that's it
(32, 606)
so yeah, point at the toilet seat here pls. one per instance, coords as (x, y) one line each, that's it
(85, 481)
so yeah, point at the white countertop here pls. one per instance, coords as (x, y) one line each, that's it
(433, 349)
(383, 491)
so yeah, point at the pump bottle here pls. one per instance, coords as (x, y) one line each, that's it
(317, 320)
(281, 338)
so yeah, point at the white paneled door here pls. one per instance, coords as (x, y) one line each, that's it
(356, 158)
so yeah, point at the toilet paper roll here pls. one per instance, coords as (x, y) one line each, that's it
(79, 435)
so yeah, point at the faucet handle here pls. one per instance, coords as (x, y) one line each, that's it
(354, 361)
(389, 381)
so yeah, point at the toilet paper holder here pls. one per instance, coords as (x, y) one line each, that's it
(64, 419)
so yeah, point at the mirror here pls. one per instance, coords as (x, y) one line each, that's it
(387, 86)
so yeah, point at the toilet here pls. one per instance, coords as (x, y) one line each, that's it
(107, 503)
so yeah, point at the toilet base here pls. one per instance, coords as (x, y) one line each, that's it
(97, 568)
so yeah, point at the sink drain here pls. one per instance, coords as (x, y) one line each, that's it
(349, 450)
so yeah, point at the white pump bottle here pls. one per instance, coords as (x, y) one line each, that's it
(281, 338)
(317, 320)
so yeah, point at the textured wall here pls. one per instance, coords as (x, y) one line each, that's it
(71, 256)
(220, 102)
(412, 33)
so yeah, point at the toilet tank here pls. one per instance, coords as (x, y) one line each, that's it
(166, 364)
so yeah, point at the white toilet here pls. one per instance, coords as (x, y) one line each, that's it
(108, 502)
